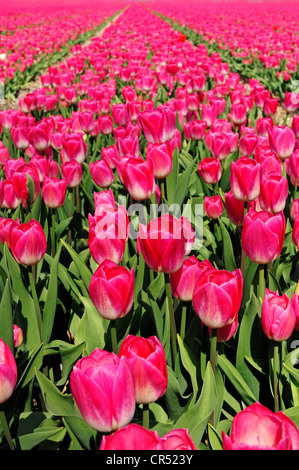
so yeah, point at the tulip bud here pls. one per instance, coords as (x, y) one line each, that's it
(160, 155)
(213, 206)
(132, 437)
(234, 208)
(277, 317)
(101, 173)
(53, 192)
(28, 242)
(18, 336)
(245, 179)
(72, 173)
(183, 281)
(210, 170)
(282, 141)
(274, 193)
(147, 361)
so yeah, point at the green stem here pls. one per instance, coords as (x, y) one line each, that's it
(171, 319)
(114, 337)
(276, 371)
(262, 285)
(53, 234)
(213, 349)
(32, 280)
(145, 416)
(6, 429)
(78, 202)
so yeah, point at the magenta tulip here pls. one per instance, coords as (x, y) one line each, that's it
(132, 437)
(53, 192)
(178, 439)
(210, 170)
(245, 179)
(28, 242)
(8, 372)
(278, 317)
(183, 281)
(282, 141)
(213, 206)
(234, 208)
(97, 383)
(274, 193)
(147, 360)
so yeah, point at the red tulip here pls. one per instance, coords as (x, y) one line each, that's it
(258, 428)
(26, 183)
(97, 383)
(111, 290)
(234, 208)
(20, 137)
(147, 360)
(73, 148)
(138, 177)
(178, 439)
(263, 235)
(28, 242)
(163, 243)
(40, 136)
(18, 336)
(210, 170)
(8, 372)
(293, 168)
(294, 211)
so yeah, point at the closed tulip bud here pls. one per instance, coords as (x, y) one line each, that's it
(147, 361)
(10, 199)
(160, 155)
(138, 177)
(101, 173)
(40, 136)
(111, 155)
(291, 102)
(28, 242)
(178, 439)
(158, 125)
(277, 317)
(263, 125)
(5, 227)
(263, 235)
(238, 113)
(209, 114)
(268, 160)
(86, 120)
(105, 124)
(4, 154)
(18, 336)
(128, 145)
(163, 243)
(245, 179)
(97, 383)
(8, 372)
(108, 234)
(274, 193)
(247, 144)
(234, 208)
(217, 297)
(183, 281)
(73, 148)
(270, 106)
(119, 114)
(226, 332)
(53, 192)
(282, 141)
(210, 170)
(20, 137)
(213, 206)
(111, 290)
(132, 437)
(258, 428)
(72, 173)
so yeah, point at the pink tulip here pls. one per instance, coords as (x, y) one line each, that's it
(213, 206)
(18, 336)
(158, 125)
(278, 317)
(217, 297)
(111, 290)
(178, 439)
(163, 243)
(28, 242)
(294, 210)
(8, 372)
(160, 155)
(132, 437)
(26, 183)
(234, 208)
(282, 141)
(210, 170)
(73, 148)
(274, 193)
(40, 136)
(138, 177)
(20, 137)
(183, 281)
(295, 305)
(258, 428)
(263, 235)
(245, 179)
(97, 383)
(295, 126)
(147, 360)
(72, 173)
(53, 192)
(293, 168)
(101, 173)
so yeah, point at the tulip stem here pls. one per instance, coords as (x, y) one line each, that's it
(276, 369)
(171, 319)
(183, 321)
(32, 280)
(6, 429)
(261, 281)
(53, 234)
(145, 416)
(213, 349)
(114, 337)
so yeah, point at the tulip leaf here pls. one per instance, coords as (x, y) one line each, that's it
(236, 380)
(29, 441)
(190, 363)
(228, 252)
(51, 300)
(92, 327)
(56, 403)
(196, 418)
(83, 432)
(34, 360)
(85, 273)
(172, 179)
(6, 318)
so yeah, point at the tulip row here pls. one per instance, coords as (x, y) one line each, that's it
(251, 38)
(149, 252)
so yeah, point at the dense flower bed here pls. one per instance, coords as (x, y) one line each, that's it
(149, 251)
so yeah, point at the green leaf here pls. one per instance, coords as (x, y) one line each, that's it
(56, 403)
(83, 432)
(51, 300)
(196, 418)
(190, 363)
(236, 380)
(172, 179)
(29, 441)
(92, 327)
(6, 319)
(228, 252)
(85, 273)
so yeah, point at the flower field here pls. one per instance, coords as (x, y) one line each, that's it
(149, 226)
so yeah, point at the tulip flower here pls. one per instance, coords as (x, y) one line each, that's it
(20, 137)
(101, 173)
(295, 305)
(111, 290)
(217, 297)
(282, 141)
(295, 126)
(138, 177)
(40, 136)
(278, 317)
(158, 125)
(195, 130)
(183, 281)
(73, 148)
(72, 173)
(97, 383)
(8, 372)
(160, 155)
(263, 235)
(213, 206)
(258, 428)
(132, 437)
(18, 336)
(245, 179)
(53, 192)
(294, 210)
(163, 243)
(26, 183)
(293, 168)
(147, 360)
(234, 208)
(108, 233)
(178, 439)
(28, 242)
(273, 193)
(210, 170)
